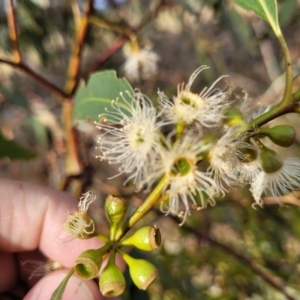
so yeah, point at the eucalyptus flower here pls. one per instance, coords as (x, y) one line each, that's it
(207, 107)
(79, 224)
(224, 160)
(280, 182)
(186, 185)
(132, 140)
(140, 63)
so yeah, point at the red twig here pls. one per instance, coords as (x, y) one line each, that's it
(75, 59)
(18, 63)
(12, 27)
(28, 71)
(107, 53)
(120, 41)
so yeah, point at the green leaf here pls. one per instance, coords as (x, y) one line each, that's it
(92, 99)
(265, 9)
(13, 150)
(58, 293)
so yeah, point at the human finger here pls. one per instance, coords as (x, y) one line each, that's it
(31, 217)
(76, 289)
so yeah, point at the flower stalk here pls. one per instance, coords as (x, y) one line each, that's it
(150, 202)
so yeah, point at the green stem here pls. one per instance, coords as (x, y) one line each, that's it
(58, 293)
(179, 130)
(273, 113)
(142, 210)
(113, 230)
(105, 249)
(102, 237)
(127, 258)
(289, 72)
(287, 104)
(292, 105)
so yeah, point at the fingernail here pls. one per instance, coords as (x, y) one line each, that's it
(76, 289)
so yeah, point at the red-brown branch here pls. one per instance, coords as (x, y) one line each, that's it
(28, 71)
(75, 59)
(120, 41)
(12, 29)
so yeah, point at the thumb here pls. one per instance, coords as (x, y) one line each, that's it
(76, 289)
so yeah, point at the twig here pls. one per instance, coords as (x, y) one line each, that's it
(12, 28)
(73, 161)
(17, 63)
(240, 257)
(28, 71)
(120, 41)
(75, 59)
(76, 12)
(106, 54)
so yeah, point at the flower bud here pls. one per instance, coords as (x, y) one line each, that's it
(281, 135)
(233, 116)
(141, 271)
(115, 210)
(270, 160)
(88, 264)
(112, 281)
(147, 238)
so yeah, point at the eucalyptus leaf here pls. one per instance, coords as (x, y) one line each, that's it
(93, 98)
(265, 9)
(12, 150)
(58, 293)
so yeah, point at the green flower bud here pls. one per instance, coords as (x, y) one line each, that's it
(88, 264)
(281, 135)
(270, 160)
(233, 116)
(147, 238)
(115, 210)
(141, 271)
(112, 281)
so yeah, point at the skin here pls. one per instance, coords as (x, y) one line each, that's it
(31, 219)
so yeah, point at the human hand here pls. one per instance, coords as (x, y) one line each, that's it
(31, 218)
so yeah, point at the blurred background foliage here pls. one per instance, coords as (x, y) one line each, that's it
(230, 251)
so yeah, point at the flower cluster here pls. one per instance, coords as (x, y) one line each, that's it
(89, 264)
(209, 149)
